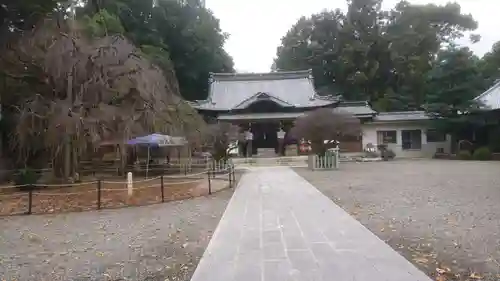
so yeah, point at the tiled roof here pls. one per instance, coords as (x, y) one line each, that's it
(491, 98)
(357, 108)
(401, 116)
(236, 90)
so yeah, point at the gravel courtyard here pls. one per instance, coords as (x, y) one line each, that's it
(444, 216)
(157, 242)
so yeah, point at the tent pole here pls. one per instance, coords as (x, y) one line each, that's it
(147, 163)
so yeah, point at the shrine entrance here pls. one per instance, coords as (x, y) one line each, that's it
(265, 135)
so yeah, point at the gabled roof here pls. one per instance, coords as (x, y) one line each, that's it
(230, 91)
(491, 98)
(357, 108)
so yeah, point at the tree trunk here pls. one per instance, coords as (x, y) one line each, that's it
(67, 157)
(318, 147)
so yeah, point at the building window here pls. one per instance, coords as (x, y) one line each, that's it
(412, 139)
(435, 136)
(386, 137)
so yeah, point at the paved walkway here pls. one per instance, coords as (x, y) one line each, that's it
(278, 227)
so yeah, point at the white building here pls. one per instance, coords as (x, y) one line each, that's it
(408, 134)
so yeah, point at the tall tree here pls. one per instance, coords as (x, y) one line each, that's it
(115, 93)
(186, 36)
(313, 43)
(490, 66)
(453, 83)
(417, 33)
(368, 53)
(365, 50)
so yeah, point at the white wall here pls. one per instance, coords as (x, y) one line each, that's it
(428, 149)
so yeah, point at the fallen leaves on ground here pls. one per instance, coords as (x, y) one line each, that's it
(475, 276)
(443, 270)
(421, 260)
(441, 278)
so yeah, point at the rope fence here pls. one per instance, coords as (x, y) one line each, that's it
(103, 194)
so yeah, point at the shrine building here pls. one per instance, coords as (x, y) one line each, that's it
(266, 102)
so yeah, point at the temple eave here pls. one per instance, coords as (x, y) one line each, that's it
(260, 116)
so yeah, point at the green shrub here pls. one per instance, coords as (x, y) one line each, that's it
(464, 155)
(482, 154)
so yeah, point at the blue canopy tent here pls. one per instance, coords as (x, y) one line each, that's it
(156, 140)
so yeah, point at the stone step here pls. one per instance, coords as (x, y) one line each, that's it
(265, 152)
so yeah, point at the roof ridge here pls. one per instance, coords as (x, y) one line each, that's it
(401, 112)
(259, 73)
(278, 75)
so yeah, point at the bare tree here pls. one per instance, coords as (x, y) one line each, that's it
(324, 125)
(218, 139)
(77, 92)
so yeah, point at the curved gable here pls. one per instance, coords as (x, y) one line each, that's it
(262, 97)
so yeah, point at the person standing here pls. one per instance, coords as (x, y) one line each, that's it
(281, 142)
(249, 140)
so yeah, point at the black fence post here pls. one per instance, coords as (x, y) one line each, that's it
(229, 175)
(99, 185)
(30, 200)
(234, 176)
(209, 183)
(162, 190)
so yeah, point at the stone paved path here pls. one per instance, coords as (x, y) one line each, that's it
(278, 227)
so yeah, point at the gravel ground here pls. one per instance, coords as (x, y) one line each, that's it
(444, 216)
(156, 242)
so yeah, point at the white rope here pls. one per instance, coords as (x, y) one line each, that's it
(165, 184)
(63, 194)
(13, 186)
(124, 182)
(182, 182)
(184, 176)
(114, 189)
(68, 185)
(226, 174)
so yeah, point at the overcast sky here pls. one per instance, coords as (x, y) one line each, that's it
(256, 26)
